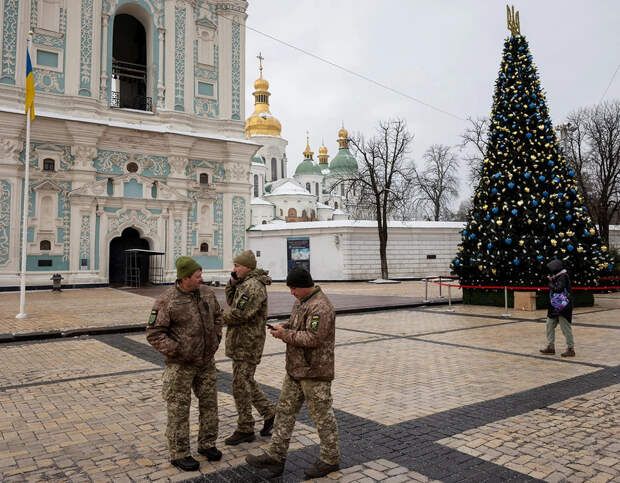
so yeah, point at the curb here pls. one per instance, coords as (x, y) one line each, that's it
(124, 329)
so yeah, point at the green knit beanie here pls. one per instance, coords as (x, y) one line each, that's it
(246, 258)
(186, 266)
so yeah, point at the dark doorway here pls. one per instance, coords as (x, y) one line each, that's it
(129, 64)
(130, 238)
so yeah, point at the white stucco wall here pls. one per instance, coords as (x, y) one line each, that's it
(349, 250)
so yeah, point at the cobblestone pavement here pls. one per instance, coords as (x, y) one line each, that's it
(90, 308)
(420, 395)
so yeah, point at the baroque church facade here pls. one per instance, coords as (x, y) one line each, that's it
(138, 142)
(316, 192)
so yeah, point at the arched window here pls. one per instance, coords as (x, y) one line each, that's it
(45, 245)
(283, 164)
(316, 189)
(281, 212)
(264, 222)
(308, 189)
(341, 189)
(204, 247)
(129, 64)
(255, 186)
(110, 187)
(204, 178)
(336, 204)
(274, 169)
(304, 215)
(313, 215)
(292, 213)
(49, 164)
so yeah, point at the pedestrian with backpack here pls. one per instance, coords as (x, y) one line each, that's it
(560, 308)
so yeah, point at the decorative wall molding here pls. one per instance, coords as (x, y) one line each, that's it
(238, 172)
(179, 58)
(238, 225)
(127, 218)
(86, 47)
(236, 71)
(5, 221)
(9, 41)
(83, 156)
(85, 241)
(10, 150)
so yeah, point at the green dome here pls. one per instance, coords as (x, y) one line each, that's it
(343, 162)
(258, 159)
(307, 167)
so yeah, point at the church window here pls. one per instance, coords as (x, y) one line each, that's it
(316, 189)
(110, 187)
(336, 204)
(48, 164)
(45, 245)
(48, 17)
(283, 165)
(308, 189)
(204, 247)
(274, 169)
(264, 222)
(132, 167)
(154, 190)
(341, 189)
(129, 64)
(255, 186)
(292, 213)
(204, 178)
(281, 212)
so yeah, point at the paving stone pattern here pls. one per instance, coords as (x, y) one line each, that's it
(420, 395)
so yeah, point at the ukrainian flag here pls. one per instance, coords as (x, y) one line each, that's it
(29, 86)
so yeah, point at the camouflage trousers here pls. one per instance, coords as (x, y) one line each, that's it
(317, 395)
(178, 382)
(247, 394)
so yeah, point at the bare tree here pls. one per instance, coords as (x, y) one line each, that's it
(436, 183)
(384, 178)
(474, 141)
(591, 141)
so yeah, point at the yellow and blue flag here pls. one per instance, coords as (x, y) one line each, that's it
(29, 86)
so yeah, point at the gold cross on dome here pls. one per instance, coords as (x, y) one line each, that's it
(260, 63)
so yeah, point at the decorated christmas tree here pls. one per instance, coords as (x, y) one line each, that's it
(527, 209)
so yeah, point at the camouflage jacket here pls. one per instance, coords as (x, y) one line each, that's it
(310, 338)
(186, 327)
(245, 331)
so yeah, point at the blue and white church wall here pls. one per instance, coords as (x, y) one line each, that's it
(177, 173)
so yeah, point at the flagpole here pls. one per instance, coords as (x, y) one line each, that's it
(22, 286)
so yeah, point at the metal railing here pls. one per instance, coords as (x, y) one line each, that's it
(140, 103)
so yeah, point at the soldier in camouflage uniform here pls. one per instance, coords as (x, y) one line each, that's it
(246, 294)
(186, 326)
(309, 336)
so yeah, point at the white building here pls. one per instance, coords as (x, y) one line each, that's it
(311, 190)
(138, 141)
(349, 250)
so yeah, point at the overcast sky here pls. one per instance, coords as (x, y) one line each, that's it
(444, 52)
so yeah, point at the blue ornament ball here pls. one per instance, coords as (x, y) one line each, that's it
(516, 261)
(569, 217)
(550, 163)
(494, 191)
(570, 248)
(539, 257)
(514, 211)
(535, 203)
(541, 178)
(488, 217)
(457, 262)
(527, 175)
(489, 245)
(571, 173)
(552, 226)
(508, 241)
(528, 135)
(511, 185)
(545, 193)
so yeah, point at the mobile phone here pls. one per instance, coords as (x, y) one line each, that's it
(234, 275)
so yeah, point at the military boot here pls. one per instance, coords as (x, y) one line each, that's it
(238, 437)
(212, 453)
(266, 462)
(186, 464)
(570, 352)
(550, 349)
(267, 426)
(320, 469)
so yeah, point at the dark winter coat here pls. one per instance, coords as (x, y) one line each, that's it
(558, 283)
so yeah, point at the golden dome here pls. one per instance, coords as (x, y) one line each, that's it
(343, 138)
(322, 150)
(307, 153)
(343, 133)
(262, 122)
(261, 84)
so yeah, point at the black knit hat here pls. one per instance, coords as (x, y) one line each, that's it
(299, 277)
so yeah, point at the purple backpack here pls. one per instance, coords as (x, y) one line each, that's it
(559, 300)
